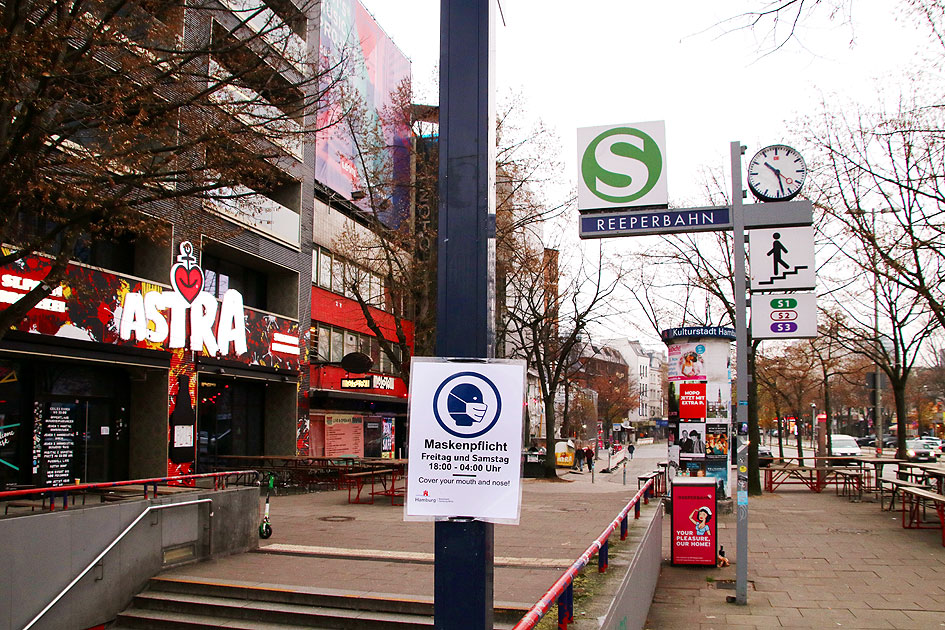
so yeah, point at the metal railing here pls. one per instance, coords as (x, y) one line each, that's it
(562, 591)
(220, 481)
(98, 558)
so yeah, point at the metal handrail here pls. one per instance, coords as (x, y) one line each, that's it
(99, 557)
(536, 612)
(7, 494)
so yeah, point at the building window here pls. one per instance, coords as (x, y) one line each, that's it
(221, 275)
(330, 344)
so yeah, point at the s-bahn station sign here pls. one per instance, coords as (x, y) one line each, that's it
(465, 440)
(622, 166)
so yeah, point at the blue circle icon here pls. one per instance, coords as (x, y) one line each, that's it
(467, 404)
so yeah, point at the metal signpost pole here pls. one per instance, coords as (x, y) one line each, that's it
(464, 547)
(741, 370)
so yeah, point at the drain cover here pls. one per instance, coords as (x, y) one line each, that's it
(337, 519)
(841, 530)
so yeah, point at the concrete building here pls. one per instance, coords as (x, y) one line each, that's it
(646, 371)
(163, 358)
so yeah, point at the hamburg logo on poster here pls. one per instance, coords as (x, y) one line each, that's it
(465, 440)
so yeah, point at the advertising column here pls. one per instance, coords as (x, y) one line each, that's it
(700, 393)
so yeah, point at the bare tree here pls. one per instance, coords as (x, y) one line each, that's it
(114, 113)
(550, 307)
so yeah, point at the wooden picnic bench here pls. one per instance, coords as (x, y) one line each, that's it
(897, 485)
(356, 481)
(914, 501)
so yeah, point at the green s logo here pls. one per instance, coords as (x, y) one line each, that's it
(621, 165)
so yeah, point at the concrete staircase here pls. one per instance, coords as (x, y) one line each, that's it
(186, 604)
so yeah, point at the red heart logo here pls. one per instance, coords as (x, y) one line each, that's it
(188, 281)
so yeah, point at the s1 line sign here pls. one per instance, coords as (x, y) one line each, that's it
(622, 166)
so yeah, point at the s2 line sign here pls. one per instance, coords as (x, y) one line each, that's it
(622, 166)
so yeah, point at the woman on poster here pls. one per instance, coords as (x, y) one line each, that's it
(700, 518)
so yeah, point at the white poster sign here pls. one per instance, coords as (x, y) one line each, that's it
(465, 441)
(622, 166)
(782, 258)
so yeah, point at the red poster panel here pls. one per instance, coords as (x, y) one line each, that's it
(692, 400)
(694, 539)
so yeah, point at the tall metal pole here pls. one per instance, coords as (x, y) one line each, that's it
(877, 374)
(741, 369)
(464, 547)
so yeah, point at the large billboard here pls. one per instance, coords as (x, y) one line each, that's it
(374, 70)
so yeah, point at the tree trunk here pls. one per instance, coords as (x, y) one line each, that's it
(899, 393)
(754, 435)
(799, 428)
(551, 464)
(829, 425)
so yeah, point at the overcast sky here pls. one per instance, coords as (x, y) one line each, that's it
(615, 61)
(623, 62)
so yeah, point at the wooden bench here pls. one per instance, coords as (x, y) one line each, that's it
(356, 480)
(897, 486)
(914, 501)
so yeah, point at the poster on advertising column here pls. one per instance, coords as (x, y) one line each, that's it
(695, 512)
(465, 440)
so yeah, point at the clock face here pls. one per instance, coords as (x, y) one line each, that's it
(776, 173)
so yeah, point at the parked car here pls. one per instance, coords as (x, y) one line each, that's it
(844, 446)
(866, 440)
(918, 451)
(934, 443)
(764, 456)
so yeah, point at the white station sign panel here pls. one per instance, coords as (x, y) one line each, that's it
(782, 258)
(784, 316)
(465, 440)
(622, 166)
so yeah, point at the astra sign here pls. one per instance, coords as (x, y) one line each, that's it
(162, 317)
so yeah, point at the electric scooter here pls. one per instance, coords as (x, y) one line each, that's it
(265, 529)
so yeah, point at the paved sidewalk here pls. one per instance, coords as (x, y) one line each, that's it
(321, 542)
(815, 561)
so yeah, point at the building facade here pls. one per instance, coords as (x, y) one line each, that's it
(175, 356)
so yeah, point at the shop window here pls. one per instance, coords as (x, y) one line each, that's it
(221, 275)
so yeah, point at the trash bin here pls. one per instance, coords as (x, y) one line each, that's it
(694, 518)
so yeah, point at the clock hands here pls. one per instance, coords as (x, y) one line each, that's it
(778, 173)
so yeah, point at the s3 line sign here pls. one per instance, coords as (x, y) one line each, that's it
(622, 166)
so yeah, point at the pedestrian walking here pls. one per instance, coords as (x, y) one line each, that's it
(589, 457)
(630, 449)
(579, 458)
